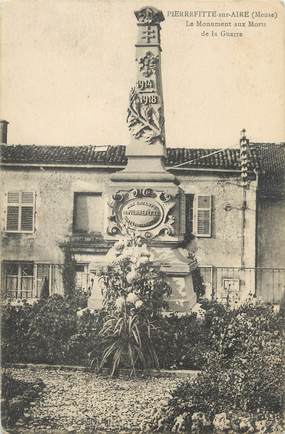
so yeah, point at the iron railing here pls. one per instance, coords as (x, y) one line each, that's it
(228, 283)
(225, 284)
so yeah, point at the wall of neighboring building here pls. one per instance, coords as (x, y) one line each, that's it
(271, 248)
(224, 247)
(271, 233)
(54, 209)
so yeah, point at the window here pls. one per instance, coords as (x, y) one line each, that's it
(24, 279)
(18, 279)
(20, 212)
(202, 216)
(88, 212)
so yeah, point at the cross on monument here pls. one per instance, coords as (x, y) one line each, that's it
(149, 34)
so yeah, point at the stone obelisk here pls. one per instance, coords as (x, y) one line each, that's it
(147, 150)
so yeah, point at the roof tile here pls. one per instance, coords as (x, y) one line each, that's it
(264, 156)
(268, 158)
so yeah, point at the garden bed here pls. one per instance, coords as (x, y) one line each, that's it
(78, 401)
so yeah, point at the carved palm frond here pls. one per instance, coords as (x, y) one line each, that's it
(144, 120)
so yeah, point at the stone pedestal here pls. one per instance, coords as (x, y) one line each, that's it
(178, 270)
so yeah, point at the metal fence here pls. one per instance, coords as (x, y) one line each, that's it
(227, 284)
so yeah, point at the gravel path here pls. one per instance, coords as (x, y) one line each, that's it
(82, 402)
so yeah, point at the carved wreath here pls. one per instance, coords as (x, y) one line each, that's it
(148, 64)
(144, 120)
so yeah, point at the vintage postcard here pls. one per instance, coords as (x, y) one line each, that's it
(142, 204)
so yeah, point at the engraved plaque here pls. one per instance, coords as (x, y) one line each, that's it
(141, 214)
(144, 210)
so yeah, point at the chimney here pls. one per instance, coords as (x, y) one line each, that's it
(3, 131)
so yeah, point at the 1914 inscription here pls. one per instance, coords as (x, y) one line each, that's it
(145, 85)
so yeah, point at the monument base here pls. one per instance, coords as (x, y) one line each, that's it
(178, 271)
(145, 164)
(136, 171)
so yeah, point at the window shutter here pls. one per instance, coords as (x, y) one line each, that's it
(189, 213)
(27, 218)
(203, 216)
(13, 197)
(27, 197)
(27, 211)
(12, 218)
(20, 211)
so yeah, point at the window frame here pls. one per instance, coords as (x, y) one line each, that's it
(19, 276)
(20, 205)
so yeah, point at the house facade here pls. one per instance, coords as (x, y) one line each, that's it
(54, 197)
(80, 199)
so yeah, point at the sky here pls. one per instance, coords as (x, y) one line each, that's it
(67, 68)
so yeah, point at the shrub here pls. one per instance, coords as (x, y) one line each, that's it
(49, 332)
(15, 323)
(181, 342)
(51, 326)
(242, 386)
(16, 398)
(233, 332)
(236, 393)
(86, 342)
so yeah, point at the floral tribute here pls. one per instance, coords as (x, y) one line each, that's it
(134, 295)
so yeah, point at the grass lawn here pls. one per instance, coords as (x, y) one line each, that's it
(81, 402)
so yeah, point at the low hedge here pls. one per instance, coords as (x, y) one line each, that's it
(49, 331)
